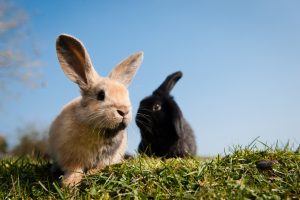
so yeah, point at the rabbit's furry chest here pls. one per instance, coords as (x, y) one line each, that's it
(105, 151)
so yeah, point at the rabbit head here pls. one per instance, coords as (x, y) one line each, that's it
(158, 114)
(104, 103)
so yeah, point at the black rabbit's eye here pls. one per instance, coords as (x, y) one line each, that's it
(156, 107)
(101, 95)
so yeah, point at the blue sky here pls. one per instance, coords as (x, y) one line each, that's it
(240, 61)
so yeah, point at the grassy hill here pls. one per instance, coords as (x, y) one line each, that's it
(234, 176)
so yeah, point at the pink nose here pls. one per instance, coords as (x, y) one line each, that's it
(122, 112)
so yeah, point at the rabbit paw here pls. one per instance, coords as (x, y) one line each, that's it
(72, 179)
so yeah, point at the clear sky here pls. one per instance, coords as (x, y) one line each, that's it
(240, 60)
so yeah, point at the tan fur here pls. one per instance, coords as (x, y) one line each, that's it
(86, 136)
(134, 61)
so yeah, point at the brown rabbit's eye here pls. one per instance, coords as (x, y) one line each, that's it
(156, 107)
(101, 95)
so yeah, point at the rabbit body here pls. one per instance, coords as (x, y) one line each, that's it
(79, 148)
(164, 130)
(90, 132)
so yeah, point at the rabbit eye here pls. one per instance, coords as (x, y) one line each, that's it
(101, 95)
(156, 107)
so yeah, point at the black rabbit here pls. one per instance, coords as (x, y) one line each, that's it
(164, 131)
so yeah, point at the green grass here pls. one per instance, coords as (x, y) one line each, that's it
(233, 176)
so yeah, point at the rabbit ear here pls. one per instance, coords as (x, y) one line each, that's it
(168, 84)
(125, 71)
(75, 61)
(178, 125)
(177, 119)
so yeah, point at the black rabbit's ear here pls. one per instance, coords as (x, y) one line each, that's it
(178, 126)
(177, 119)
(168, 84)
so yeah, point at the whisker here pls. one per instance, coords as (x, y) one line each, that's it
(146, 126)
(145, 109)
(144, 116)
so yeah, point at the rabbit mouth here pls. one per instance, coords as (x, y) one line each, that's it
(119, 126)
(122, 125)
(111, 132)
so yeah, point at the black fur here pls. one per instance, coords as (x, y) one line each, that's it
(164, 131)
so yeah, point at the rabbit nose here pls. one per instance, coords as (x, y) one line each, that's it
(122, 112)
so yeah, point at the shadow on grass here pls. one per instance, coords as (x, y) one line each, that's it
(26, 178)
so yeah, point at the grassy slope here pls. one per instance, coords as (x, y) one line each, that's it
(230, 177)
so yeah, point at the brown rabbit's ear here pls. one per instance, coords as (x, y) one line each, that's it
(168, 84)
(75, 61)
(125, 71)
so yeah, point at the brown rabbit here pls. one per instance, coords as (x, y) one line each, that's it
(89, 133)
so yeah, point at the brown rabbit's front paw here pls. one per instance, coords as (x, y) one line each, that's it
(92, 171)
(72, 179)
